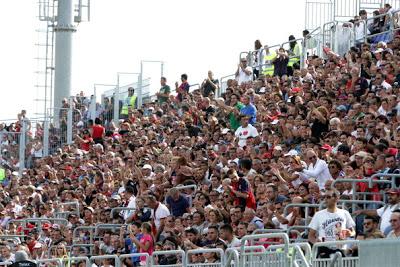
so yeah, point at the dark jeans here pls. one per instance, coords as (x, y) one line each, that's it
(325, 252)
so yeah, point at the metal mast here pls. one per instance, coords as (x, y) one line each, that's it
(54, 80)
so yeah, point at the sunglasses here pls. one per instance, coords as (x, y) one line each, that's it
(330, 196)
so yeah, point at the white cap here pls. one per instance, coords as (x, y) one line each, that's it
(291, 153)
(147, 166)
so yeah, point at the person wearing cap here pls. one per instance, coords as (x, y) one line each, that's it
(393, 196)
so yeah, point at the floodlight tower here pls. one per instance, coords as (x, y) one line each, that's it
(62, 17)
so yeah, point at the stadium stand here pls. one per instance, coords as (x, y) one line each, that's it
(297, 165)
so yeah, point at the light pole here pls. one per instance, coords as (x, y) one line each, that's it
(140, 82)
(116, 95)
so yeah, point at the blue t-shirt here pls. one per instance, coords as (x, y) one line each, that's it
(131, 247)
(179, 207)
(251, 111)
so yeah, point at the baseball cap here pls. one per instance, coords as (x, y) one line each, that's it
(393, 191)
(341, 108)
(116, 197)
(46, 226)
(291, 153)
(326, 147)
(147, 166)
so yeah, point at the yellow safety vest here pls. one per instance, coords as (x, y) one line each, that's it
(2, 174)
(131, 101)
(295, 56)
(269, 69)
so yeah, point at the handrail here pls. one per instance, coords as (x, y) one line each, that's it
(329, 244)
(125, 256)
(377, 175)
(337, 258)
(282, 236)
(204, 250)
(106, 226)
(168, 252)
(303, 245)
(301, 254)
(229, 253)
(5, 263)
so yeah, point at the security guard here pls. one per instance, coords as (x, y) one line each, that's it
(129, 103)
(294, 54)
(269, 57)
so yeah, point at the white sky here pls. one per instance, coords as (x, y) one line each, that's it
(190, 36)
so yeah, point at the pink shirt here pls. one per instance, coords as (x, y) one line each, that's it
(147, 238)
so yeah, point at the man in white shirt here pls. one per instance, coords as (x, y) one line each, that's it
(395, 222)
(243, 72)
(317, 169)
(158, 212)
(131, 199)
(330, 224)
(245, 131)
(386, 211)
(226, 234)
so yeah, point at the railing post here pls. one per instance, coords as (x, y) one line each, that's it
(140, 89)
(93, 105)
(116, 103)
(22, 144)
(46, 137)
(69, 122)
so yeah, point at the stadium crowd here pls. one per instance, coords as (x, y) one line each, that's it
(241, 158)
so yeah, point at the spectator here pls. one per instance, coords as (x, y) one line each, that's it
(146, 242)
(280, 62)
(243, 73)
(165, 90)
(245, 131)
(371, 228)
(395, 223)
(259, 55)
(177, 203)
(330, 224)
(209, 85)
(183, 88)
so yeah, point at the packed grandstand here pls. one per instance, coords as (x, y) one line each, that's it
(287, 157)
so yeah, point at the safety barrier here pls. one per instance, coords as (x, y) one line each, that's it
(276, 258)
(218, 262)
(179, 254)
(146, 257)
(342, 245)
(392, 181)
(103, 258)
(298, 257)
(224, 83)
(231, 257)
(357, 194)
(106, 226)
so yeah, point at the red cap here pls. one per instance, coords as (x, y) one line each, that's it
(394, 191)
(296, 90)
(46, 226)
(392, 151)
(326, 147)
